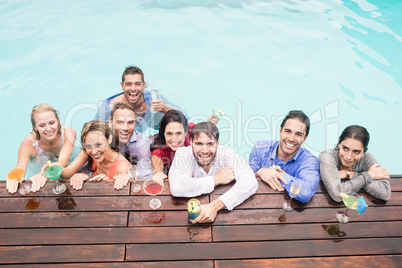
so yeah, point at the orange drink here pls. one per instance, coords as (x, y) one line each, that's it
(16, 174)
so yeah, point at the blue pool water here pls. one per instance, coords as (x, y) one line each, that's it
(339, 61)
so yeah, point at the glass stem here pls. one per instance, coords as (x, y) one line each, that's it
(290, 201)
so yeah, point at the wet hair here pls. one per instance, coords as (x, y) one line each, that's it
(115, 143)
(299, 115)
(120, 105)
(355, 132)
(132, 70)
(94, 126)
(40, 108)
(207, 128)
(169, 117)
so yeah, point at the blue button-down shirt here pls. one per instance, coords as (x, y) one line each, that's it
(303, 166)
(139, 147)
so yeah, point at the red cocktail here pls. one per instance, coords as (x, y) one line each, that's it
(153, 187)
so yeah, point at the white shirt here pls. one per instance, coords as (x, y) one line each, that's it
(188, 179)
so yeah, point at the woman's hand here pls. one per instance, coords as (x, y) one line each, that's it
(12, 185)
(38, 181)
(377, 172)
(77, 180)
(346, 174)
(121, 181)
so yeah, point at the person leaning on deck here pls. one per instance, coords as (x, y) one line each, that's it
(349, 167)
(279, 163)
(174, 132)
(198, 168)
(134, 94)
(49, 140)
(104, 163)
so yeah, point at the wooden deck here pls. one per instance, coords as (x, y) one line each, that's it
(99, 226)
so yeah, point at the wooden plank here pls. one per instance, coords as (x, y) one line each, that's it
(63, 219)
(318, 200)
(306, 231)
(89, 189)
(309, 215)
(265, 216)
(71, 236)
(163, 264)
(250, 250)
(55, 254)
(97, 203)
(352, 261)
(263, 188)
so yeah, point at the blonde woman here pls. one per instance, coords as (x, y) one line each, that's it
(47, 141)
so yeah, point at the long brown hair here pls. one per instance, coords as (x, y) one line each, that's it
(94, 126)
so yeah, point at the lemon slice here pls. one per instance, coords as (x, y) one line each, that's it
(343, 195)
(193, 207)
(49, 163)
(354, 206)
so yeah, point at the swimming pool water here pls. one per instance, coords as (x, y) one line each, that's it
(339, 61)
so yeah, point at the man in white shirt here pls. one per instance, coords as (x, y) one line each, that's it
(198, 168)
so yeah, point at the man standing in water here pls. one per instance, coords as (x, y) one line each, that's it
(279, 163)
(199, 168)
(134, 94)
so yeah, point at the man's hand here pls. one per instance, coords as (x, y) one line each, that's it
(77, 180)
(38, 181)
(159, 106)
(12, 185)
(121, 181)
(213, 119)
(377, 172)
(224, 176)
(272, 176)
(208, 212)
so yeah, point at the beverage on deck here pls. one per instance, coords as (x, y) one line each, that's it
(193, 208)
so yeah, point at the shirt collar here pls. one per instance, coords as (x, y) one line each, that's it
(272, 153)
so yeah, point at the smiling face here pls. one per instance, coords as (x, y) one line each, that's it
(97, 146)
(292, 136)
(350, 152)
(204, 150)
(46, 124)
(123, 125)
(133, 88)
(174, 135)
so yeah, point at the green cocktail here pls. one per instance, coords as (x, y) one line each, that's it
(53, 172)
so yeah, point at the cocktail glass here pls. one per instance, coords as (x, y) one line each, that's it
(352, 202)
(153, 187)
(53, 173)
(133, 173)
(154, 96)
(17, 174)
(294, 191)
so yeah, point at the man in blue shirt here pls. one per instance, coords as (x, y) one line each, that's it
(279, 163)
(134, 94)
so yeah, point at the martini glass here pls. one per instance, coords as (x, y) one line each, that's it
(352, 202)
(293, 192)
(53, 172)
(133, 173)
(153, 188)
(16, 174)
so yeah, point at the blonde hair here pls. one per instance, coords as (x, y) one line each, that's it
(40, 108)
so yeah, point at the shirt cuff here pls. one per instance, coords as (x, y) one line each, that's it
(207, 184)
